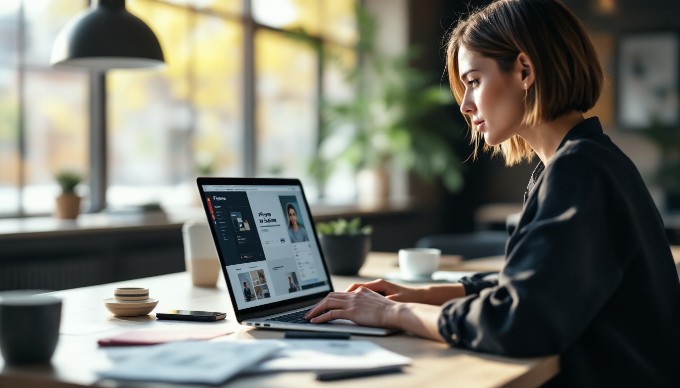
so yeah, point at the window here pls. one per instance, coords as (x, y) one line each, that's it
(9, 108)
(164, 128)
(286, 104)
(44, 112)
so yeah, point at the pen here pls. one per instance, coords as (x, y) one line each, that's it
(349, 374)
(316, 335)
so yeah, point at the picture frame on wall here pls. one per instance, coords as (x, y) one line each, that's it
(648, 80)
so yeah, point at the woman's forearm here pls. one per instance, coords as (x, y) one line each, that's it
(419, 319)
(439, 294)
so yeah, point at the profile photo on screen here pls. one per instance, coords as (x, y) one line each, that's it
(296, 229)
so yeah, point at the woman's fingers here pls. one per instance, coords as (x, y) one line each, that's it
(329, 302)
(328, 316)
(363, 306)
(380, 286)
(354, 286)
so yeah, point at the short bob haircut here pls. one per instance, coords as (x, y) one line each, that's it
(567, 72)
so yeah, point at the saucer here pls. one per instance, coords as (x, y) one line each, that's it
(130, 308)
(400, 277)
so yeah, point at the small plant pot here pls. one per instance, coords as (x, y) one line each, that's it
(345, 254)
(68, 206)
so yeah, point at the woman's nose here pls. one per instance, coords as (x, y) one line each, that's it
(466, 106)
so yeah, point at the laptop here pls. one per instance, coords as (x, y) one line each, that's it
(274, 274)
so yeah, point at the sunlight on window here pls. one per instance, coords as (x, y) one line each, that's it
(168, 127)
(56, 110)
(217, 70)
(9, 109)
(286, 105)
(275, 13)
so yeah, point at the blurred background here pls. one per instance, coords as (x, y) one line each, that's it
(350, 96)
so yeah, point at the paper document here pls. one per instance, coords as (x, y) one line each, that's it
(191, 361)
(215, 362)
(158, 336)
(328, 355)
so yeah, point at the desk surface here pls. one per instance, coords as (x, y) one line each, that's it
(84, 320)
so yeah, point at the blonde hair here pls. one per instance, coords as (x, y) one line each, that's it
(568, 73)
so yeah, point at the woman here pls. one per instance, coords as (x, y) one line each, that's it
(588, 271)
(247, 293)
(296, 232)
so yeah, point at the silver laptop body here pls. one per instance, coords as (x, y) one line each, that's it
(272, 271)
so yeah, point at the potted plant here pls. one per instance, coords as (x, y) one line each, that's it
(68, 202)
(345, 244)
(397, 117)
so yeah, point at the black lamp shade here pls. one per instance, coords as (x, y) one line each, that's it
(107, 37)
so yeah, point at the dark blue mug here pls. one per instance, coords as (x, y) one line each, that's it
(29, 326)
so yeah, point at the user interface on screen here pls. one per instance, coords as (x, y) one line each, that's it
(266, 239)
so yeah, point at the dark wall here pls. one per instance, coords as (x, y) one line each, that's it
(83, 258)
(628, 15)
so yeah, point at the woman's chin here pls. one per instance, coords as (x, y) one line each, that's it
(490, 140)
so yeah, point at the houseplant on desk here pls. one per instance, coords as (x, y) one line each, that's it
(345, 245)
(68, 202)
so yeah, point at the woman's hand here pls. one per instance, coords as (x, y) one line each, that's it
(392, 291)
(368, 308)
(434, 294)
(363, 306)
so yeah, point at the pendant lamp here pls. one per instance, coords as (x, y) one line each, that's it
(107, 37)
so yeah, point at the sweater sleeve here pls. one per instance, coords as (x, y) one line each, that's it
(479, 281)
(562, 267)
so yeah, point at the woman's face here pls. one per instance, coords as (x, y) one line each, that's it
(494, 100)
(292, 217)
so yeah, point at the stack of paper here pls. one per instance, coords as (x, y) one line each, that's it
(328, 355)
(191, 361)
(215, 362)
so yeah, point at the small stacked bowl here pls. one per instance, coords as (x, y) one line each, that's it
(130, 302)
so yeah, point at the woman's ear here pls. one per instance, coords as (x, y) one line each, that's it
(525, 69)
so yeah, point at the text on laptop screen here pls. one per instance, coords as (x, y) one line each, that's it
(266, 255)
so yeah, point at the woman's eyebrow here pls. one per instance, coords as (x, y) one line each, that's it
(462, 76)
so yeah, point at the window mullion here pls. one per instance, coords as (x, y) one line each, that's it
(249, 136)
(98, 144)
(21, 124)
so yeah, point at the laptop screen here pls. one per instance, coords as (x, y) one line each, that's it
(266, 241)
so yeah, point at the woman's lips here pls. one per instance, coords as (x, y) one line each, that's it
(479, 124)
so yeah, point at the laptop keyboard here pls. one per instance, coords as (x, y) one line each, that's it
(296, 317)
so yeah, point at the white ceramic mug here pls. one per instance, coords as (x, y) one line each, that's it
(199, 253)
(419, 262)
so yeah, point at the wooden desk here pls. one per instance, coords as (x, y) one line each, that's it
(85, 319)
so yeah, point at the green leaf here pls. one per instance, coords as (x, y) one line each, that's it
(343, 227)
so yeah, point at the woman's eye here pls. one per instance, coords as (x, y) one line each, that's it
(473, 83)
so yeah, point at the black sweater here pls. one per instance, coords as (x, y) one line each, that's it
(589, 275)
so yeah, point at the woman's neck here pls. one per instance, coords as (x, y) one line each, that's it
(546, 137)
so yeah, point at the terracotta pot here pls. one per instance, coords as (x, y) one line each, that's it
(345, 254)
(68, 206)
